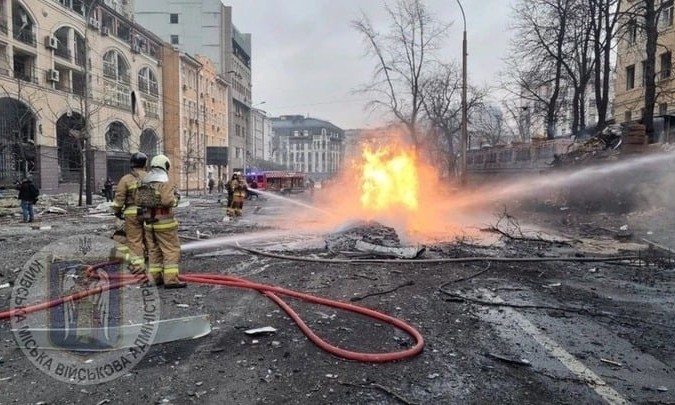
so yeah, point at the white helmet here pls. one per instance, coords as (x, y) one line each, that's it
(161, 161)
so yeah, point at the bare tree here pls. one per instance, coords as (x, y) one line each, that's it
(488, 122)
(192, 157)
(441, 97)
(605, 28)
(519, 119)
(648, 17)
(403, 55)
(541, 35)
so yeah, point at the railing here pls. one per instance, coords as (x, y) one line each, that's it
(80, 60)
(63, 53)
(151, 108)
(109, 71)
(25, 34)
(117, 95)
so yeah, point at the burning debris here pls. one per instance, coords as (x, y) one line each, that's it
(370, 238)
(366, 231)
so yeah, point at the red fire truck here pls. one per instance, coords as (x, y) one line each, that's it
(277, 181)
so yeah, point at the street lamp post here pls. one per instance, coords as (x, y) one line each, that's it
(465, 135)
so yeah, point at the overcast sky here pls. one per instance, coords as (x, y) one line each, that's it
(307, 58)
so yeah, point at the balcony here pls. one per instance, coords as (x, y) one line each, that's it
(25, 35)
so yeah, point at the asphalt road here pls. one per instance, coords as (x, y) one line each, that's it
(528, 333)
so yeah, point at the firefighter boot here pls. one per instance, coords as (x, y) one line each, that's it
(155, 275)
(171, 281)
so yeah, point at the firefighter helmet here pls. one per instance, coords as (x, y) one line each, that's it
(161, 162)
(139, 159)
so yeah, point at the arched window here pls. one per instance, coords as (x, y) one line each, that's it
(147, 82)
(117, 91)
(68, 128)
(117, 138)
(115, 67)
(23, 25)
(70, 43)
(17, 135)
(149, 143)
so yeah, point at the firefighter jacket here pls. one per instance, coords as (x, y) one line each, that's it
(238, 187)
(159, 214)
(125, 195)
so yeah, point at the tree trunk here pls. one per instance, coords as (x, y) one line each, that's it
(651, 31)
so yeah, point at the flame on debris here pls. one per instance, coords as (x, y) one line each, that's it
(389, 179)
(391, 184)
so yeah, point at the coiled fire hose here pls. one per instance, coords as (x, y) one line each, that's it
(269, 291)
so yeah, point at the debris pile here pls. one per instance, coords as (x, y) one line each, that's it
(603, 145)
(367, 231)
(371, 238)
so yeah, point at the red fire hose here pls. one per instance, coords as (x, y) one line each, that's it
(272, 293)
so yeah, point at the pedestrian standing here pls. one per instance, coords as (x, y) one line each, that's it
(125, 208)
(157, 197)
(211, 184)
(108, 189)
(28, 194)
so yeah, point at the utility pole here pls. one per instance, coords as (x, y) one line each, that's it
(465, 134)
(88, 150)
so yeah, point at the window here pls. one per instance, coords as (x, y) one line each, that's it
(667, 13)
(173, 18)
(630, 77)
(175, 40)
(147, 82)
(627, 116)
(663, 108)
(632, 29)
(666, 64)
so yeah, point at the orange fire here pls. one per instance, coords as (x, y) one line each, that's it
(391, 184)
(389, 180)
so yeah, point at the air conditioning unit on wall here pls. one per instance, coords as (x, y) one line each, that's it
(51, 42)
(94, 23)
(53, 75)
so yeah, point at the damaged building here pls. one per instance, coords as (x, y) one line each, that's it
(47, 50)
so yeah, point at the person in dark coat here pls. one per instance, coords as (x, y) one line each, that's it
(28, 194)
(108, 189)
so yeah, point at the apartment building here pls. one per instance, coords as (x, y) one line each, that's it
(308, 145)
(630, 67)
(196, 115)
(47, 50)
(260, 146)
(205, 27)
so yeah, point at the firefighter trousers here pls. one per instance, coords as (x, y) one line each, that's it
(161, 238)
(133, 226)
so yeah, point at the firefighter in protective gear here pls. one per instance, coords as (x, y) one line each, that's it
(156, 199)
(237, 186)
(124, 207)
